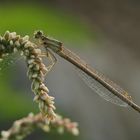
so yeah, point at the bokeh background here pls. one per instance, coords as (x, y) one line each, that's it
(104, 33)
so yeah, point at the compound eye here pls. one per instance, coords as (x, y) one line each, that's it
(45, 43)
(38, 34)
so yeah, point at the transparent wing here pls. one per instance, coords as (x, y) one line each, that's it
(101, 90)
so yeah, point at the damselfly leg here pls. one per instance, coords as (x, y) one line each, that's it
(51, 57)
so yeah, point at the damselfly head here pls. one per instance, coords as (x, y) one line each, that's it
(38, 34)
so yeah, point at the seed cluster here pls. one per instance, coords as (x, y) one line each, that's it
(23, 127)
(63, 124)
(11, 43)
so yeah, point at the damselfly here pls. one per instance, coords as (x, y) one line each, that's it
(102, 85)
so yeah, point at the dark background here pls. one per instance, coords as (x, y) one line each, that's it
(104, 33)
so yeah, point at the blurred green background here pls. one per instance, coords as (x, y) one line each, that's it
(105, 34)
